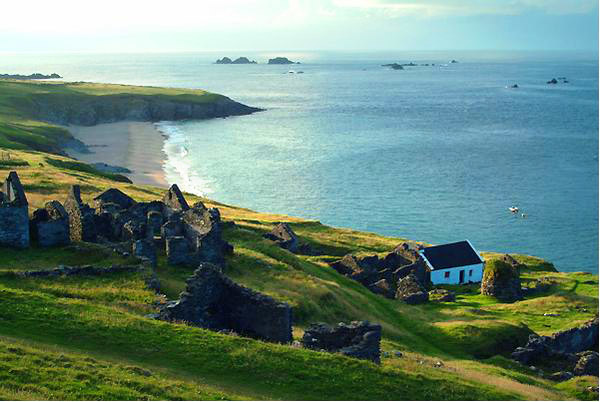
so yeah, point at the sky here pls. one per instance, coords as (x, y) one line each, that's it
(346, 25)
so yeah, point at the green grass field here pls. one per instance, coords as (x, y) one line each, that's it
(89, 337)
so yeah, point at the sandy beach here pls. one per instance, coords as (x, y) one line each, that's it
(137, 146)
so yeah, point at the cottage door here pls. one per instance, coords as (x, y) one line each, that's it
(461, 276)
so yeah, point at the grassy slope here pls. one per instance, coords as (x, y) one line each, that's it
(104, 319)
(19, 129)
(96, 325)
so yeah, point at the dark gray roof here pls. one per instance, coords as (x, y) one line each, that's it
(451, 255)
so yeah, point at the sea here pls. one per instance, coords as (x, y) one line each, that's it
(435, 153)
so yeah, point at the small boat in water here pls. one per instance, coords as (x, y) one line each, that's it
(513, 209)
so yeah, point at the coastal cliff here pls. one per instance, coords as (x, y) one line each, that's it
(89, 111)
(30, 111)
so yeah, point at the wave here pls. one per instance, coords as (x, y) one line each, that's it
(178, 165)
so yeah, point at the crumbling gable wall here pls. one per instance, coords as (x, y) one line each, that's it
(14, 213)
(81, 217)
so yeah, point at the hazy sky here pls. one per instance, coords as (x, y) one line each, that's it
(212, 25)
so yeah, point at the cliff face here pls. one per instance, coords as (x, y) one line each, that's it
(92, 110)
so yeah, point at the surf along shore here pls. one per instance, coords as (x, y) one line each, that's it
(107, 125)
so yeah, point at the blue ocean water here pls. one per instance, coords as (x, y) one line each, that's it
(436, 154)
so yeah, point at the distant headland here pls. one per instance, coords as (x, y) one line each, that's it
(35, 76)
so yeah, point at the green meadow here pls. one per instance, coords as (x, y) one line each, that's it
(90, 337)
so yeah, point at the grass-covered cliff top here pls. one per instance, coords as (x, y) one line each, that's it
(88, 338)
(30, 112)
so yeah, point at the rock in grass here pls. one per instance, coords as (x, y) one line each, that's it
(442, 295)
(501, 279)
(359, 339)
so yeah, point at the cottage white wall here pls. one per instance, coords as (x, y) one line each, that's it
(438, 276)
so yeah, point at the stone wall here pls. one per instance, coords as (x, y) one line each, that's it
(50, 225)
(81, 217)
(213, 301)
(14, 213)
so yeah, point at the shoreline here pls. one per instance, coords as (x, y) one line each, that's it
(136, 146)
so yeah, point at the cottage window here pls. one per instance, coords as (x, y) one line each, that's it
(470, 272)
(447, 274)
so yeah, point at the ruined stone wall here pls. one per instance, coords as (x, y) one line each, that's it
(213, 301)
(14, 226)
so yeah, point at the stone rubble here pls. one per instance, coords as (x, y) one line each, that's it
(359, 339)
(383, 275)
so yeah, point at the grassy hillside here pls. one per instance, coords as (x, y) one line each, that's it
(90, 338)
(20, 121)
(449, 350)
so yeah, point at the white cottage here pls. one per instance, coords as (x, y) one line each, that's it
(453, 263)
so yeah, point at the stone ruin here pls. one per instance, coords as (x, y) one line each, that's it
(189, 235)
(410, 290)
(213, 301)
(50, 225)
(283, 235)
(81, 217)
(573, 351)
(359, 339)
(383, 275)
(14, 213)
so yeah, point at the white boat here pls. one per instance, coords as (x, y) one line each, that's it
(514, 210)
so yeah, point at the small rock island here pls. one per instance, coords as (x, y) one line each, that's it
(239, 60)
(282, 60)
(393, 66)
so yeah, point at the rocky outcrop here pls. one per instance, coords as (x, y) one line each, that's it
(359, 339)
(50, 225)
(88, 110)
(14, 213)
(411, 291)
(213, 301)
(587, 364)
(81, 217)
(381, 274)
(394, 66)
(501, 279)
(564, 347)
(281, 60)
